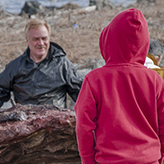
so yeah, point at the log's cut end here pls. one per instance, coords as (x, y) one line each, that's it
(38, 134)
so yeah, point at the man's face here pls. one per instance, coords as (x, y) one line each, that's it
(38, 41)
(158, 58)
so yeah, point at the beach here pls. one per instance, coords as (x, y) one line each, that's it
(77, 31)
(15, 6)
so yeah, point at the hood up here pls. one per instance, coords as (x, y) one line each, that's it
(125, 39)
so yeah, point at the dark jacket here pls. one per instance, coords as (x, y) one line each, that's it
(43, 83)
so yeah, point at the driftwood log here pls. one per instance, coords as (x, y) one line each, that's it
(38, 134)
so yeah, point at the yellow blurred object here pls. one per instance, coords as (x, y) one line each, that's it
(159, 71)
(152, 58)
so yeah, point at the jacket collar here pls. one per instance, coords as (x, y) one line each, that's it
(54, 51)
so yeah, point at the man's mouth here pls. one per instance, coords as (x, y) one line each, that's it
(41, 47)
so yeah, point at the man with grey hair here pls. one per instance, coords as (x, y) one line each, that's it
(154, 57)
(155, 52)
(42, 74)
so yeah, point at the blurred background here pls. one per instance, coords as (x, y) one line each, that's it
(76, 26)
(15, 6)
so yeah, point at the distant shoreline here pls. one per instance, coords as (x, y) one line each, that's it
(15, 6)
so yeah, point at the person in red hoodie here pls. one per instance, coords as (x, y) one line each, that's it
(120, 107)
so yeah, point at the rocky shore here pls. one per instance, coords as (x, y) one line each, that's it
(76, 29)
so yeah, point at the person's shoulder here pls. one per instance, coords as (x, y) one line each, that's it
(157, 73)
(13, 66)
(56, 50)
(15, 61)
(94, 73)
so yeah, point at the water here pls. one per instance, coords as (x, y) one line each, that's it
(124, 2)
(15, 6)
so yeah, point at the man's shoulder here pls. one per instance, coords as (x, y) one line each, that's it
(18, 59)
(15, 63)
(56, 50)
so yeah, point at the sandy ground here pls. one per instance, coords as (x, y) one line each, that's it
(81, 43)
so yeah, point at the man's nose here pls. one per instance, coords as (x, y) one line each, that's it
(40, 42)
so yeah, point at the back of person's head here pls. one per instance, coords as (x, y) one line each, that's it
(34, 23)
(126, 38)
(156, 50)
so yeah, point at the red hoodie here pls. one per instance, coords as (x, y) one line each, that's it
(120, 108)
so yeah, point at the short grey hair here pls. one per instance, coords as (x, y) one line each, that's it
(34, 23)
(155, 48)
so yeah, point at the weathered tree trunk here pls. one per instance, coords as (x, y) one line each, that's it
(32, 134)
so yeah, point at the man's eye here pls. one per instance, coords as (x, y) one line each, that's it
(35, 39)
(45, 38)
